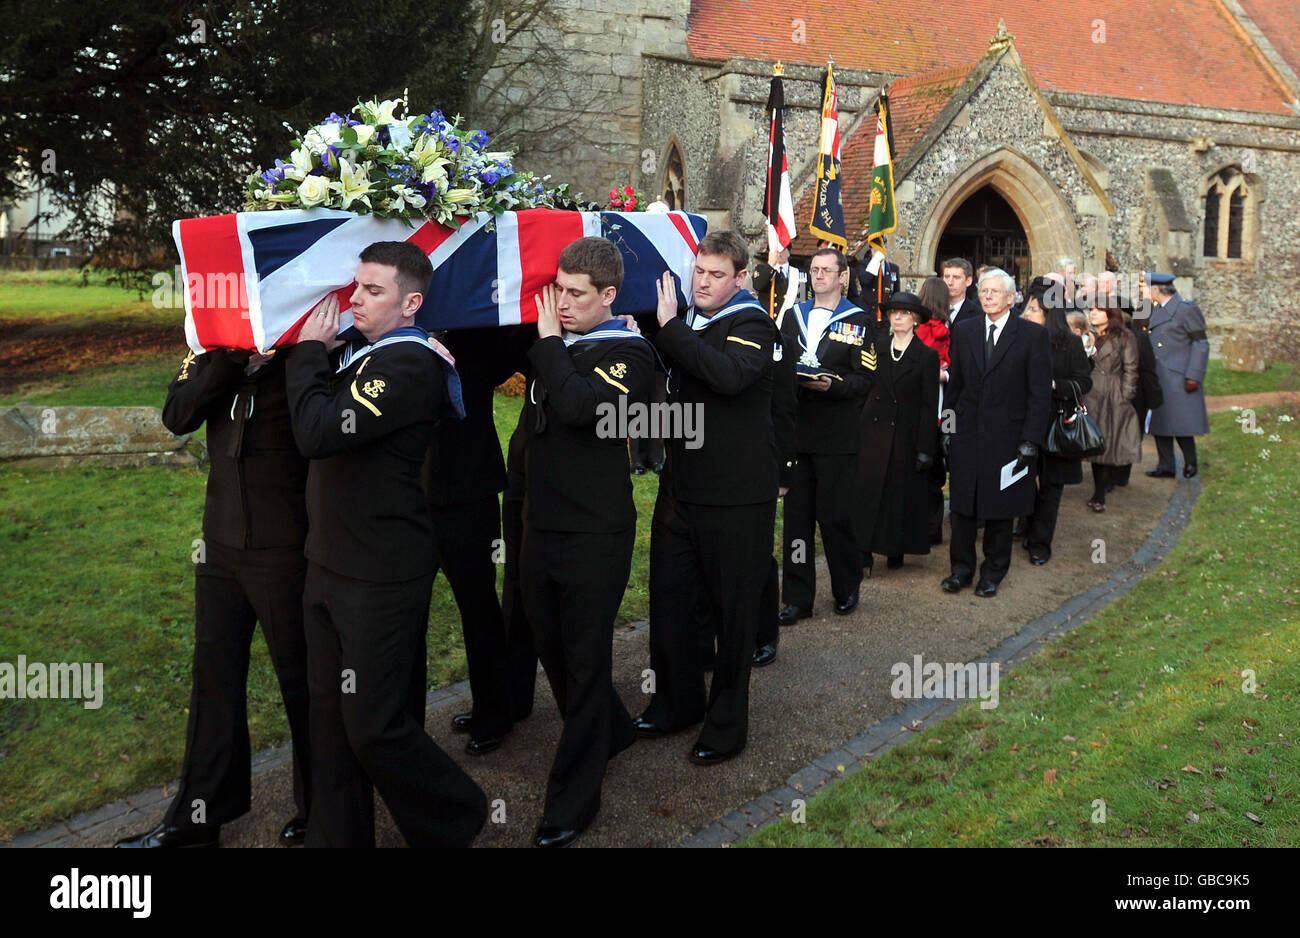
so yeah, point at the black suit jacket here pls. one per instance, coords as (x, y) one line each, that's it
(727, 370)
(997, 405)
(970, 309)
(464, 463)
(575, 455)
(257, 479)
(827, 421)
(366, 431)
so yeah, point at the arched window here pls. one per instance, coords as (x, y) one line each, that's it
(674, 186)
(1229, 214)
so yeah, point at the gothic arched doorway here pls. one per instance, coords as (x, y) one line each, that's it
(986, 230)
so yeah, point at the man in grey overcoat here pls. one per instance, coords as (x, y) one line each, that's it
(1182, 351)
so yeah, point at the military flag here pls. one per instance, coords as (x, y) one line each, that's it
(778, 204)
(882, 218)
(828, 212)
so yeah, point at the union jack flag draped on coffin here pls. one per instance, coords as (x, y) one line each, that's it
(252, 277)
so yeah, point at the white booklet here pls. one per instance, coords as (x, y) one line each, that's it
(1010, 477)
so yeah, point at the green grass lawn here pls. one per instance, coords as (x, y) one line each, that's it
(1144, 708)
(1278, 376)
(61, 294)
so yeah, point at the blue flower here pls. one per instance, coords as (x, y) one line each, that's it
(479, 140)
(490, 177)
(330, 158)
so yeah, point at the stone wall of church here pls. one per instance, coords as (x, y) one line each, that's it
(1130, 138)
(1001, 116)
(718, 113)
(583, 122)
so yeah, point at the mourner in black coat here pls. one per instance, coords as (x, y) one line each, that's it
(1071, 380)
(896, 437)
(999, 388)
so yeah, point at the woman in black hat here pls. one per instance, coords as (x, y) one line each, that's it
(1071, 380)
(896, 440)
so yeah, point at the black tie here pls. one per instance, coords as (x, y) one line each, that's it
(988, 346)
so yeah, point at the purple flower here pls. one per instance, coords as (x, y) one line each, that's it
(330, 158)
(490, 177)
(479, 140)
(336, 119)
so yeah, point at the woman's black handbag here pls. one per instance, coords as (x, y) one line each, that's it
(1073, 434)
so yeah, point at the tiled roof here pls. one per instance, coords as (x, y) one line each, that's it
(1174, 51)
(914, 103)
(1279, 21)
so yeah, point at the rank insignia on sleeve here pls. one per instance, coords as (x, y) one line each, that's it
(185, 366)
(869, 358)
(373, 389)
(617, 370)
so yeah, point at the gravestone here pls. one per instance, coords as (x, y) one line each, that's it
(52, 437)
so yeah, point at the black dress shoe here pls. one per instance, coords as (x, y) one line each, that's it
(764, 655)
(482, 745)
(460, 723)
(1159, 473)
(658, 467)
(556, 836)
(164, 836)
(847, 606)
(294, 834)
(1038, 559)
(894, 563)
(792, 614)
(638, 470)
(986, 588)
(1018, 529)
(647, 730)
(703, 755)
(955, 584)
(1189, 471)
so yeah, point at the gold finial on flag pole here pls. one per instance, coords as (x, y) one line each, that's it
(778, 69)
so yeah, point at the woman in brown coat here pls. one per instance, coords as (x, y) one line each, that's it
(1110, 401)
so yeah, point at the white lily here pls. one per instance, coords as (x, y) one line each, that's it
(407, 195)
(384, 111)
(365, 133)
(353, 184)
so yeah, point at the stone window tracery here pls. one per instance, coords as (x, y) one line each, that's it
(1229, 215)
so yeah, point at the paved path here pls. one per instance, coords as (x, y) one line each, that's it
(828, 691)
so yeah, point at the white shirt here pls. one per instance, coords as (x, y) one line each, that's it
(997, 326)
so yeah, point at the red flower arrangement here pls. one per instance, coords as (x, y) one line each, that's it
(627, 199)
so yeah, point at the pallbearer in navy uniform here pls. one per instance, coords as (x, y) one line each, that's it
(366, 425)
(252, 569)
(712, 528)
(589, 371)
(832, 386)
(1177, 330)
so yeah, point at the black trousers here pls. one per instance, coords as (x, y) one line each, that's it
(722, 552)
(769, 628)
(466, 536)
(1041, 525)
(573, 584)
(233, 591)
(821, 492)
(361, 639)
(1165, 448)
(522, 667)
(997, 547)
(934, 483)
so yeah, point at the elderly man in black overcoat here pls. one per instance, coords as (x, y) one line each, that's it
(999, 392)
